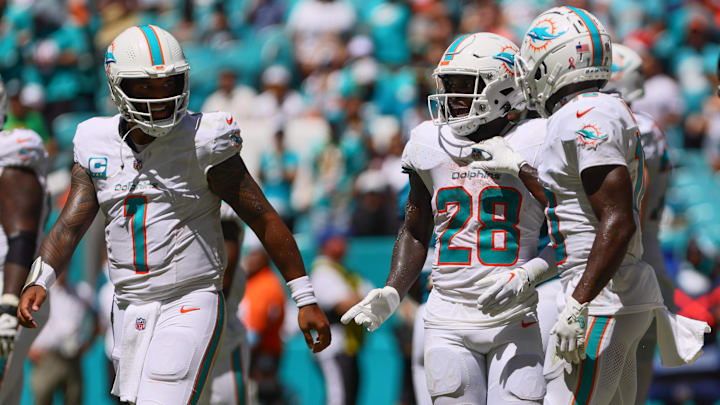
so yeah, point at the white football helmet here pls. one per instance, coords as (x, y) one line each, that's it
(564, 45)
(626, 77)
(146, 52)
(489, 60)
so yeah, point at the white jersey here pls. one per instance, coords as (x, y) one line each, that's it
(484, 222)
(22, 148)
(657, 162)
(162, 222)
(594, 129)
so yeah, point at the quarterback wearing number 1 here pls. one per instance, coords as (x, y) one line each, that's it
(482, 340)
(158, 174)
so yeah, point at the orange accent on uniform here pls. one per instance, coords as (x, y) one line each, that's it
(147, 41)
(580, 114)
(184, 310)
(162, 54)
(263, 309)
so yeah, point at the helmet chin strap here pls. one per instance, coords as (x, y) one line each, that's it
(122, 142)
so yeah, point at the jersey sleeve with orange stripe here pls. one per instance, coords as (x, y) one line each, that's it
(220, 142)
(23, 148)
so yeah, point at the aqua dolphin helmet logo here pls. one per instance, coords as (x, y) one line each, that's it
(507, 58)
(542, 33)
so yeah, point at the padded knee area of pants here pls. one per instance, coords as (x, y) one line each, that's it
(170, 355)
(444, 370)
(524, 378)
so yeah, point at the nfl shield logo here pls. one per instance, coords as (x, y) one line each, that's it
(140, 324)
(137, 165)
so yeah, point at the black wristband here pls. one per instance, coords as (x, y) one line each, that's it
(8, 309)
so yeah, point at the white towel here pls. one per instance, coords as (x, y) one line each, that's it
(129, 354)
(680, 339)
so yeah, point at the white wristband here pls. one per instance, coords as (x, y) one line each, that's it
(41, 274)
(302, 291)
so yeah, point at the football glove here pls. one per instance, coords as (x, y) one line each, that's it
(374, 309)
(569, 331)
(500, 291)
(502, 158)
(8, 324)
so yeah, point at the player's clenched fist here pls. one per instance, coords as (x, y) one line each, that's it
(375, 309)
(30, 301)
(310, 317)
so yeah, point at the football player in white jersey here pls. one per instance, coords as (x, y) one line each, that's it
(486, 227)
(158, 173)
(627, 80)
(23, 162)
(591, 169)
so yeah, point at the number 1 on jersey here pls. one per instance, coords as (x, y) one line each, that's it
(136, 207)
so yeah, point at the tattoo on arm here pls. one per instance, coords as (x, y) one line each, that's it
(231, 181)
(77, 215)
(412, 243)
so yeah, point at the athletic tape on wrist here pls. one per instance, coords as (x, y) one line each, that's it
(9, 299)
(41, 274)
(301, 291)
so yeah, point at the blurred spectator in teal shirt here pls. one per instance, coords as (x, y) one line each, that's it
(278, 169)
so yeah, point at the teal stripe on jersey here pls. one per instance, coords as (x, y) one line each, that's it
(588, 367)
(449, 55)
(3, 364)
(154, 44)
(594, 35)
(209, 352)
(237, 371)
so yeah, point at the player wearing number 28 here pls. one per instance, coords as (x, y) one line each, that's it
(482, 341)
(592, 173)
(158, 173)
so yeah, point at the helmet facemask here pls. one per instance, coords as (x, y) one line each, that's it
(460, 102)
(138, 110)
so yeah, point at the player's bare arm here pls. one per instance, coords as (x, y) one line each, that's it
(529, 176)
(59, 244)
(610, 191)
(21, 206)
(408, 258)
(232, 182)
(411, 247)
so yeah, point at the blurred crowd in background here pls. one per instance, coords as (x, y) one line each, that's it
(326, 93)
